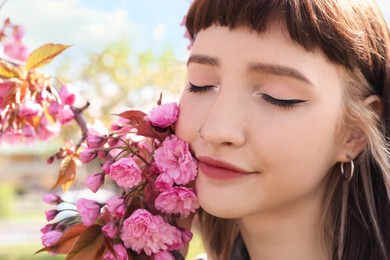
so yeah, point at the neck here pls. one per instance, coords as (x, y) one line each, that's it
(288, 233)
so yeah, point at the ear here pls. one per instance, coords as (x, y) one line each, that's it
(354, 142)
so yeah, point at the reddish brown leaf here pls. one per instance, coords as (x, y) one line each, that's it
(146, 129)
(66, 174)
(68, 240)
(89, 245)
(109, 246)
(136, 117)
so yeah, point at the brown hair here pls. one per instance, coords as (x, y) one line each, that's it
(354, 34)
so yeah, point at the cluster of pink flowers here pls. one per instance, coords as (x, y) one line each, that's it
(152, 168)
(33, 109)
(11, 37)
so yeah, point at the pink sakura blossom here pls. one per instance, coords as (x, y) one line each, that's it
(95, 181)
(106, 167)
(110, 230)
(89, 210)
(52, 199)
(97, 128)
(120, 253)
(163, 255)
(29, 109)
(16, 50)
(125, 172)
(174, 158)
(54, 108)
(177, 200)
(68, 94)
(143, 231)
(46, 130)
(163, 182)
(18, 32)
(97, 135)
(51, 237)
(87, 155)
(186, 236)
(163, 115)
(183, 237)
(28, 131)
(11, 135)
(65, 115)
(116, 206)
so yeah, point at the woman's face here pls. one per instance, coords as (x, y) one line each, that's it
(269, 113)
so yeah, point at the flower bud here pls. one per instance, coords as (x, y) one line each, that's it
(96, 141)
(106, 167)
(51, 237)
(116, 206)
(95, 181)
(110, 230)
(89, 210)
(50, 160)
(68, 94)
(87, 155)
(163, 255)
(51, 214)
(52, 199)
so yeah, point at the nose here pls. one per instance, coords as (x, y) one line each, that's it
(225, 122)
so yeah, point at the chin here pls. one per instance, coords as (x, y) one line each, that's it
(216, 206)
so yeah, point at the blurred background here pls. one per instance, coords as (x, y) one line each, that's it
(124, 53)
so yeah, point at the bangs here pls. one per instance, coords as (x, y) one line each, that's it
(346, 34)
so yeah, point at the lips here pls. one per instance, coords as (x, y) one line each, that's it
(219, 170)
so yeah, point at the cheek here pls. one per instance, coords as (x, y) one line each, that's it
(188, 122)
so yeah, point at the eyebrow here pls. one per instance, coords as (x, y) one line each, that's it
(256, 67)
(279, 70)
(203, 59)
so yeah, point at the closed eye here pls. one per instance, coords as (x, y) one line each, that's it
(283, 103)
(199, 89)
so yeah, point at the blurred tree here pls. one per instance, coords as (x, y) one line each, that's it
(119, 77)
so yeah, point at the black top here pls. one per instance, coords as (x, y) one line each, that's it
(239, 251)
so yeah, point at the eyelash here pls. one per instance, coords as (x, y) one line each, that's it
(283, 103)
(199, 89)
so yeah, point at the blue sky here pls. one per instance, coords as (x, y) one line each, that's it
(90, 24)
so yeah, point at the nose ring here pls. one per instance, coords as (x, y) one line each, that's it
(199, 132)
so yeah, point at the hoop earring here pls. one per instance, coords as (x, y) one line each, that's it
(350, 175)
(199, 132)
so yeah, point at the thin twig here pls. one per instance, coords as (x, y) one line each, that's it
(81, 122)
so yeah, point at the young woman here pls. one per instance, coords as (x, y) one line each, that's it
(287, 110)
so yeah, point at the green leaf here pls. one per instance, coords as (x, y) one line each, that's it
(44, 55)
